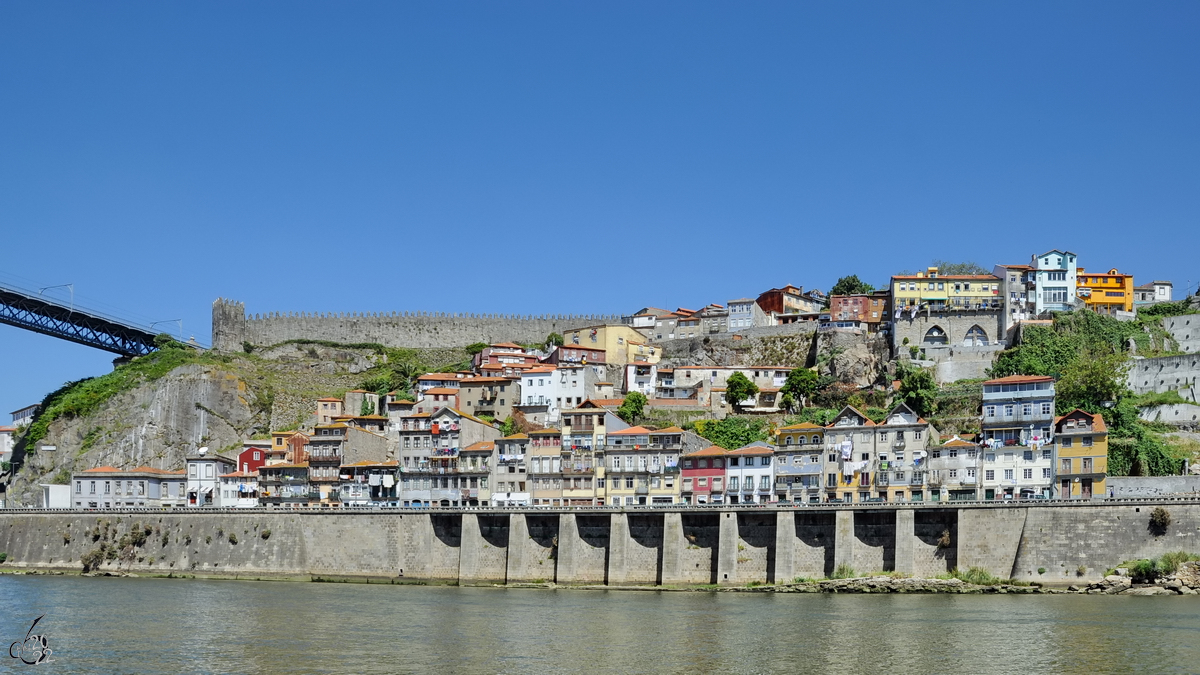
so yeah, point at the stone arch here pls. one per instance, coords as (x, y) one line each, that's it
(935, 336)
(976, 336)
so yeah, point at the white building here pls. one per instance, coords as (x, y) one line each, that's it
(24, 416)
(239, 490)
(750, 474)
(547, 390)
(203, 484)
(6, 444)
(1054, 281)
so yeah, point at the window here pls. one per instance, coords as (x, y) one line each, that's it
(989, 474)
(1028, 455)
(989, 411)
(628, 482)
(107, 487)
(1027, 474)
(953, 473)
(1008, 410)
(1087, 441)
(703, 482)
(733, 482)
(831, 480)
(764, 483)
(1065, 442)
(733, 461)
(687, 463)
(78, 487)
(952, 453)
(208, 470)
(764, 461)
(687, 484)
(971, 473)
(1008, 474)
(1045, 473)
(1064, 466)
(1045, 453)
(1087, 465)
(1046, 409)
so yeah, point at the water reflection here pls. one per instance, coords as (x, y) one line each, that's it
(194, 626)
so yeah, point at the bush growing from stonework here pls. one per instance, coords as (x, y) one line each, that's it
(918, 389)
(732, 432)
(633, 407)
(739, 388)
(476, 347)
(554, 340)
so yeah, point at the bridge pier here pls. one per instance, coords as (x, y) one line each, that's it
(843, 538)
(727, 550)
(906, 541)
(785, 547)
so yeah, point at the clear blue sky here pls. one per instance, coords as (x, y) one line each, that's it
(572, 156)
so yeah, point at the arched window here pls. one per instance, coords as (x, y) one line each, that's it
(787, 440)
(976, 337)
(816, 438)
(935, 336)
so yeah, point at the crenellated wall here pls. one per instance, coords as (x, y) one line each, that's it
(232, 327)
(1060, 543)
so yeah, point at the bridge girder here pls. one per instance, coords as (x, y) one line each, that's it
(40, 316)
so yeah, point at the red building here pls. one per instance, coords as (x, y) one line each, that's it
(703, 474)
(252, 456)
(867, 308)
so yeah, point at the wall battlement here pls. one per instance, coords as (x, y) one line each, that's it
(232, 327)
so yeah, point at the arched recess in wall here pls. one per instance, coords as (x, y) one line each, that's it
(935, 336)
(976, 337)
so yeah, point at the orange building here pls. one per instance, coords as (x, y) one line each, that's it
(1106, 293)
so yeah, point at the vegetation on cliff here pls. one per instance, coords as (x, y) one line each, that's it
(1088, 355)
(83, 397)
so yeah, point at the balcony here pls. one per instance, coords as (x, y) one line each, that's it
(324, 459)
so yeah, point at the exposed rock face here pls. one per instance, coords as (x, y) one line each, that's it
(217, 403)
(850, 358)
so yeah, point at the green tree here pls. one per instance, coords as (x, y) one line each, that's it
(851, 285)
(918, 389)
(1090, 381)
(733, 432)
(367, 407)
(476, 347)
(738, 388)
(633, 407)
(801, 384)
(946, 267)
(554, 340)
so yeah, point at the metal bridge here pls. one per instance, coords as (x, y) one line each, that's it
(31, 311)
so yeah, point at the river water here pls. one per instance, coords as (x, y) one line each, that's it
(123, 625)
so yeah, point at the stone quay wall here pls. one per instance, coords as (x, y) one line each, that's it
(232, 327)
(1053, 543)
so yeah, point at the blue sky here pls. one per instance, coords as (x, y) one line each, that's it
(573, 157)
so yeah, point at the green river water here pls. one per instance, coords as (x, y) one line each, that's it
(126, 625)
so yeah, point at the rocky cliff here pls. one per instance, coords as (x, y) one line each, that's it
(217, 400)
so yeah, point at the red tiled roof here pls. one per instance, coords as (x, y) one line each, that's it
(631, 431)
(710, 451)
(1020, 379)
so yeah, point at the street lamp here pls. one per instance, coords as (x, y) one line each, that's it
(178, 321)
(71, 287)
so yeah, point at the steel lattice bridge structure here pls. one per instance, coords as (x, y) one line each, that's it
(29, 310)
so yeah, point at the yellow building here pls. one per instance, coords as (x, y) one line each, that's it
(938, 292)
(805, 433)
(1106, 293)
(1081, 456)
(621, 344)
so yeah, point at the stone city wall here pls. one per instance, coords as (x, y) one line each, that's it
(1052, 543)
(232, 327)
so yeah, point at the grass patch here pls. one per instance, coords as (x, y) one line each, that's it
(843, 571)
(974, 575)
